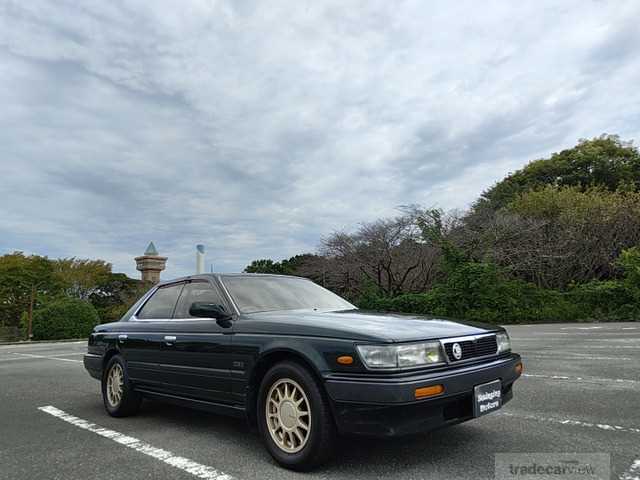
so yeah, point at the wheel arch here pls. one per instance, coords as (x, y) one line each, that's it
(108, 355)
(267, 360)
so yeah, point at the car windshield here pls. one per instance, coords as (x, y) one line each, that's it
(267, 294)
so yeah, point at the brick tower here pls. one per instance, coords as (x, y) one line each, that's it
(151, 264)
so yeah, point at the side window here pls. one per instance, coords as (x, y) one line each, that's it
(161, 303)
(196, 292)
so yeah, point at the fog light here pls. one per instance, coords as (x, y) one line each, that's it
(518, 368)
(430, 391)
(345, 360)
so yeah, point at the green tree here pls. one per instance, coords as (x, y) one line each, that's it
(81, 277)
(24, 280)
(115, 294)
(604, 161)
(291, 266)
(265, 265)
(295, 264)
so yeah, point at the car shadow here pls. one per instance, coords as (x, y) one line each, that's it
(197, 421)
(388, 456)
(354, 455)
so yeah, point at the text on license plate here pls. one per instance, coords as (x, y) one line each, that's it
(487, 397)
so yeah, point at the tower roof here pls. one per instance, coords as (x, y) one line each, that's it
(151, 249)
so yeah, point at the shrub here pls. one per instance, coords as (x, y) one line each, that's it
(64, 318)
(413, 303)
(629, 261)
(612, 299)
(604, 300)
(481, 292)
(409, 303)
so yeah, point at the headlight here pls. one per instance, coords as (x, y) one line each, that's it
(504, 344)
(401, 356)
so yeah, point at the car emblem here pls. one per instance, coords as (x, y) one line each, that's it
(456, 349)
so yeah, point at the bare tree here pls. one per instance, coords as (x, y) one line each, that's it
(555, 238)
(390, 254)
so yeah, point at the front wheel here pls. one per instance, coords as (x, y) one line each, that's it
(120, 400)
(294, 419)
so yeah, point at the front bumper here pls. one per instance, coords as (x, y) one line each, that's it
(387, 406)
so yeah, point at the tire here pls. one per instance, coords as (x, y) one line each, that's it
(289, 383)
(128, 401)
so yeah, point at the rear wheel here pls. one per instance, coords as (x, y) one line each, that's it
(294, 417)
(120, 400)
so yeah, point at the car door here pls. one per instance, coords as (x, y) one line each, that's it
(144, 334)
(196, 354)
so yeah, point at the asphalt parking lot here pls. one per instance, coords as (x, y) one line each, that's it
(580, 393)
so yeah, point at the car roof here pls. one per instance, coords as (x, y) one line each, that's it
(205, 276)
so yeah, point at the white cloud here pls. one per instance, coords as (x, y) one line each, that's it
(256, 128)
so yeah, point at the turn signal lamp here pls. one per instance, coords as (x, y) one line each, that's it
(519, 368)
(345, 360)
(430, 391)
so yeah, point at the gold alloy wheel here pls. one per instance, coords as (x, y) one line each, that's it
(288, 414)
(115, 384)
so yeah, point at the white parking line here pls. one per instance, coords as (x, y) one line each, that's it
(553, 356)
(577, 347)
(514, 336)
(613, 340)
(196, 469)
(67, 354)
(604, 347)
(37, 345)
(572, 422)
(633, 473)
(581, 328)
(557, 333)
(582, 379)
(30, 355)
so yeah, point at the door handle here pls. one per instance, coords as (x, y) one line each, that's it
(169, 339)
(122, 338)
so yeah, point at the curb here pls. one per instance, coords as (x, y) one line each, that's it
(33, 342)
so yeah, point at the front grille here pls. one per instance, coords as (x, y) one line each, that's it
(479, 347)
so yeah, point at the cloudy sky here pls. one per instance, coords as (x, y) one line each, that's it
(258, 127)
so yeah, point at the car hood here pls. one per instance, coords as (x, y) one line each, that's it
(358, 325)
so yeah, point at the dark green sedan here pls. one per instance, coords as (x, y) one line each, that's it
(298, 362)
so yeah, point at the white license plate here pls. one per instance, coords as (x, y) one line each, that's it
(487, 398)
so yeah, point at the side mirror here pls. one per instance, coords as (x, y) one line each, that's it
(208, 310)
